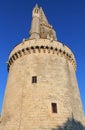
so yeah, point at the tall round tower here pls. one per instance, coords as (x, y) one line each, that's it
(42, 91)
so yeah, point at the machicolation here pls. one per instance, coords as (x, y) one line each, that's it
(42, 48)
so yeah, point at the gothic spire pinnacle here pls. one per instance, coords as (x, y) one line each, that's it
(36, 6)
(40, 28)
(43, 17)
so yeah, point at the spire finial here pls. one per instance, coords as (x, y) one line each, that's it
(36, 6)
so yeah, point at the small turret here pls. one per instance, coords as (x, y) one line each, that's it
(35, 12)
(40, 28)
(35, 26)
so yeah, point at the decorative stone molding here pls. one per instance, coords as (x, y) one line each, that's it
(40, 49)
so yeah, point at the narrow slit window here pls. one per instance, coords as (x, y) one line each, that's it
(54, 107)
(34, 79)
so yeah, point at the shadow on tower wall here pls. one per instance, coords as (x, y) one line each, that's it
(71, 124)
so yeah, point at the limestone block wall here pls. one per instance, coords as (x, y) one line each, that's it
(29, 46)
(27, 105)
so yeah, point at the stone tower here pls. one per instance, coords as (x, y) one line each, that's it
(42, 91)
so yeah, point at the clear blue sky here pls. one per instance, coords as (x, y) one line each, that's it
(67, 18)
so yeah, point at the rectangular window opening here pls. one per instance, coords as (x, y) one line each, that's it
(34, 79)
(54, 107)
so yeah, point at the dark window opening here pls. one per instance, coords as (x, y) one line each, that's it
(34, 79)
(54, 107)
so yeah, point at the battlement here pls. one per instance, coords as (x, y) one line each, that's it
(41, 46)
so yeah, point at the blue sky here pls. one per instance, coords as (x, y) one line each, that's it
(67, 18)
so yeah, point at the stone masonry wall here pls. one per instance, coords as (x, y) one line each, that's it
(27, 105)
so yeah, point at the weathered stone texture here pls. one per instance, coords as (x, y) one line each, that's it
(28, 105)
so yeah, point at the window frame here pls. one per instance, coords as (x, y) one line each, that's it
(54, 107)
(34, 79)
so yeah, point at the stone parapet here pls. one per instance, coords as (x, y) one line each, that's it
(29, 46)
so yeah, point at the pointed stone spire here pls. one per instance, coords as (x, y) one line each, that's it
(35, 25)
(36, 6)
(42, 16)
(40, 28)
